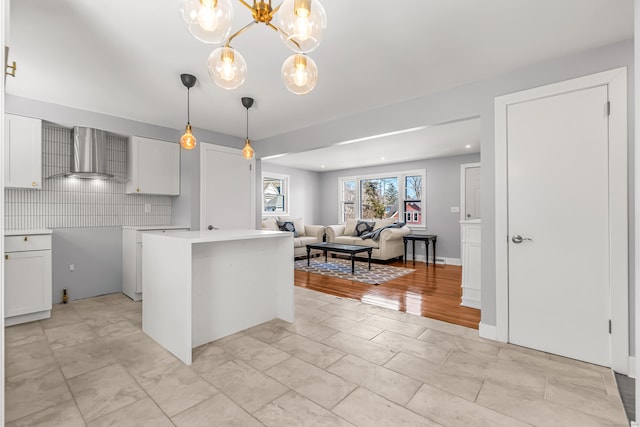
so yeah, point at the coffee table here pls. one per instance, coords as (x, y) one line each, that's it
(352, 250)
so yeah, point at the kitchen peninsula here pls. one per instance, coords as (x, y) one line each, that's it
(200, 286)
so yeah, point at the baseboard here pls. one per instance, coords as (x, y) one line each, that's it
(632, 367)
(439, 260)
(30, 317)
(472, 303)
(489, 332)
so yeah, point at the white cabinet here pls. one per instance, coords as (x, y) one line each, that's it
(471, 263)
(22, 152)
(27, 276)
(132, 257)
(153, 167)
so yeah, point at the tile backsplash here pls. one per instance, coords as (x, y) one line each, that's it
(76, 203)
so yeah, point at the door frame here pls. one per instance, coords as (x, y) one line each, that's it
(204, 147)
(463, 187)
(616, 81)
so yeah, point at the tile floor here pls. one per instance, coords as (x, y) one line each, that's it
(341, 363)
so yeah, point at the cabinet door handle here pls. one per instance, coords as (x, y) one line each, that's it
(26, 238)
(33, 183)
(6, 257)
(137, 190)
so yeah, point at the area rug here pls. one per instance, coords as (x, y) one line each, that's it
(341, 268)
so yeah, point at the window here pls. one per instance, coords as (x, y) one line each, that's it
(379, 198)
(274, 193)
(413, 199)
(398, 196)
(347, 200)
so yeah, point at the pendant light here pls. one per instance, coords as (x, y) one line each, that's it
(299, 74)
(300, 23)
(188, 141)
(207, 20)
(227, 68)
(247, 151)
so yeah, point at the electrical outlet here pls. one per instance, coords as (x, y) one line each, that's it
(455, 209)
(147, 208)
(72, 267)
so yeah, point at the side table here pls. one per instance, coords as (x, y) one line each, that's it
(426, 238)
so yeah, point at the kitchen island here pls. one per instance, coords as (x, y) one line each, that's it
(200, 286)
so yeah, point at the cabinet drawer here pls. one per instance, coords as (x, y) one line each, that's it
(163, 230)
(27, 243)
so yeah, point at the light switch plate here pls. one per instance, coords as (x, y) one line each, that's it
(147, 208)
(455, 209)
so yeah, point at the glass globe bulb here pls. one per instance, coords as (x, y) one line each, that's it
(207, 17)
(300, 74)
(304, 21)
(207, 20)
(247, 151)
(302, 28)
(188, 141)
(227, 67)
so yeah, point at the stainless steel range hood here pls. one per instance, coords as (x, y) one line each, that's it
(88, 154)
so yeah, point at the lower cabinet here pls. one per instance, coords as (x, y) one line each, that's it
(471, 263)
(132, 257)
(27, 278)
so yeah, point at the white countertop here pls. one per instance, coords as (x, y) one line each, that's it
(31, 232)
(154, 227)
(207, 236)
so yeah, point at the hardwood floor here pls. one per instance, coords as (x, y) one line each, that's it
(432, 291)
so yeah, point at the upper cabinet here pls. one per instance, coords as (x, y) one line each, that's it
(22, 152)
(153, 167)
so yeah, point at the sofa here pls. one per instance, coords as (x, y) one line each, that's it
(303, 234)
(386, 241)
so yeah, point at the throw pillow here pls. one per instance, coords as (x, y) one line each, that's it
(350, 227)
(288, 226)
(270, 224)
(362, 227)
(297, 222)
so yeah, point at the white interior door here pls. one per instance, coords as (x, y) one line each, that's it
(227, 189)
(558, 192)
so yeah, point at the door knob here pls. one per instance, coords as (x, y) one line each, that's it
(211, 227)
(517, 239)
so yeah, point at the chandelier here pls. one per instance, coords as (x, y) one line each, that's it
(300, 24)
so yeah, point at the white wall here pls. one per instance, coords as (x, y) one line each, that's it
(96, 254)
(442, 192)
(471, 100)
(304, 192)
(474, 99)
(186, 207)
(92, 250)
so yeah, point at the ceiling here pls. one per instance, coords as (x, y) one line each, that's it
(123, 58)
(446, 139)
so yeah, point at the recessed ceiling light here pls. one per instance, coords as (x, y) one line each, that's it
(467, 146)
(322, 166)
(382, 135)
(381, 158)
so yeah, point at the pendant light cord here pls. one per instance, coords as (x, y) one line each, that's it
(247, 123)
(188, 104)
